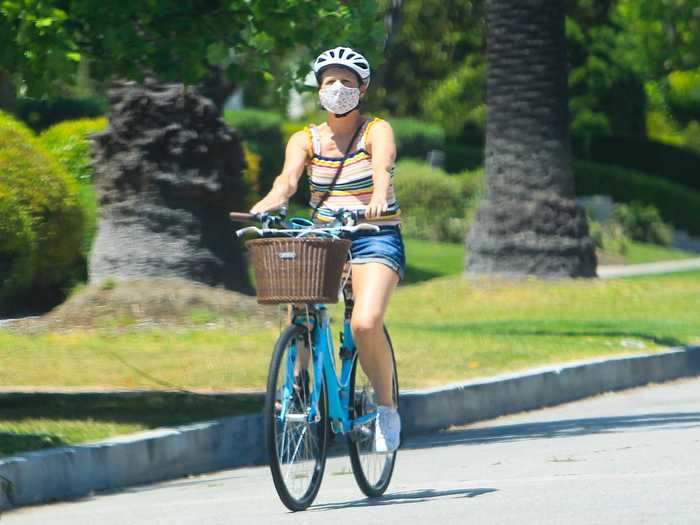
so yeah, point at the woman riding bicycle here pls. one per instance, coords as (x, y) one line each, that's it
(363, 171)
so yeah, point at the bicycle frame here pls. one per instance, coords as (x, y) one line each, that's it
(337, 389)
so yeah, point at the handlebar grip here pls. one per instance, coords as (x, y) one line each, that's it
(361, 213)
(242, 217)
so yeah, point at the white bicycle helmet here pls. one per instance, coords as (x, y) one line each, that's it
(342, 56)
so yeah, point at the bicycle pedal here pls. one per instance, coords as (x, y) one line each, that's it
(361, 433)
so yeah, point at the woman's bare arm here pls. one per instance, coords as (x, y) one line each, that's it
(286, 183)
(383, 151)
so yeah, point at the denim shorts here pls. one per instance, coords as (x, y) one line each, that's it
(385, 246)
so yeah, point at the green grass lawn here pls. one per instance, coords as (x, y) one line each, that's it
(426, 260)
(445, 328)
(31, 423)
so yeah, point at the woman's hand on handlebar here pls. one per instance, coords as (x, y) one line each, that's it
(375, 208)
(270, 202)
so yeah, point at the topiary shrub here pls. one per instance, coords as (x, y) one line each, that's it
(68, 141)
(17, 245)
(40, 205)
(434, 205)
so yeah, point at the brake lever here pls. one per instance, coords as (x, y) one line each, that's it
(365, 226)
(248, 229)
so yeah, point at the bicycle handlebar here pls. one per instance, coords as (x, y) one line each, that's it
(349, 229)
(241, 217)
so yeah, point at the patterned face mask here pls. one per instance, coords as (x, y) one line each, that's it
(338, 98)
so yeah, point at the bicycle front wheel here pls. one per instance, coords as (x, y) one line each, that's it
(296, 446)
(372, 470)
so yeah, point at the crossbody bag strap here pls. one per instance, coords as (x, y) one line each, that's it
(337, 173)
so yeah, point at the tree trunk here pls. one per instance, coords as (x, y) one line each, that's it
(167, 172)
(529, 222)
(8, 96)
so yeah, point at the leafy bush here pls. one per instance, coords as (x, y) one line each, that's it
(40, 114)
(40, 202)
(69, 143)
(434, 205)
(676, 203)
(262, 130)
(642, 222)
(415, 138)
(684, 94)
(609, 237)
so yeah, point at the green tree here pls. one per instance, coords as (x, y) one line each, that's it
(659, 36)
(431, 39)
(42, 42)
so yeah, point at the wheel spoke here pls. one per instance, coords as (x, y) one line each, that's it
(372, 469)
(296, 449)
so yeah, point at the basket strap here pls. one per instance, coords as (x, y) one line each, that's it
(337, 173)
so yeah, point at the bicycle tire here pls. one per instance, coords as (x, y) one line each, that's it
(293, 498)
(360, 449)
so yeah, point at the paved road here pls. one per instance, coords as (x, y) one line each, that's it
(624, 458)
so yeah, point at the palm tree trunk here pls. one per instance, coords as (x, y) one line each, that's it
(529, 222)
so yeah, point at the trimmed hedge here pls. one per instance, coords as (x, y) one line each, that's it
(460, 157)
(415, 138)
(648, 156)
(40, 204)
(678, 204)
(41, 114)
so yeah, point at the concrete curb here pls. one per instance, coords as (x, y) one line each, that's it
(459, 404)
(75, 471)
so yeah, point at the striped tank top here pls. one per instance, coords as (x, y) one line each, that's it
(353, 189)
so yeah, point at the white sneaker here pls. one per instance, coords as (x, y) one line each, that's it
(387, 433)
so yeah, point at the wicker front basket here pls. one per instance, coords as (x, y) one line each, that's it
(292, 270)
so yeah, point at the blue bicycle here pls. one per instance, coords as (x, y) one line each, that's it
(309, 393)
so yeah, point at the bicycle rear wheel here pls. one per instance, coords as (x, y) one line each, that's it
(372, 470)
(296, 447)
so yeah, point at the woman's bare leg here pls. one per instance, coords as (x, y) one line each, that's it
(372, 286)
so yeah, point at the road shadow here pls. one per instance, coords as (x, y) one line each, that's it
(399, 498)
(555, 429)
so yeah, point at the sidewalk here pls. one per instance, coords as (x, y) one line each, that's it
(628, 270)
